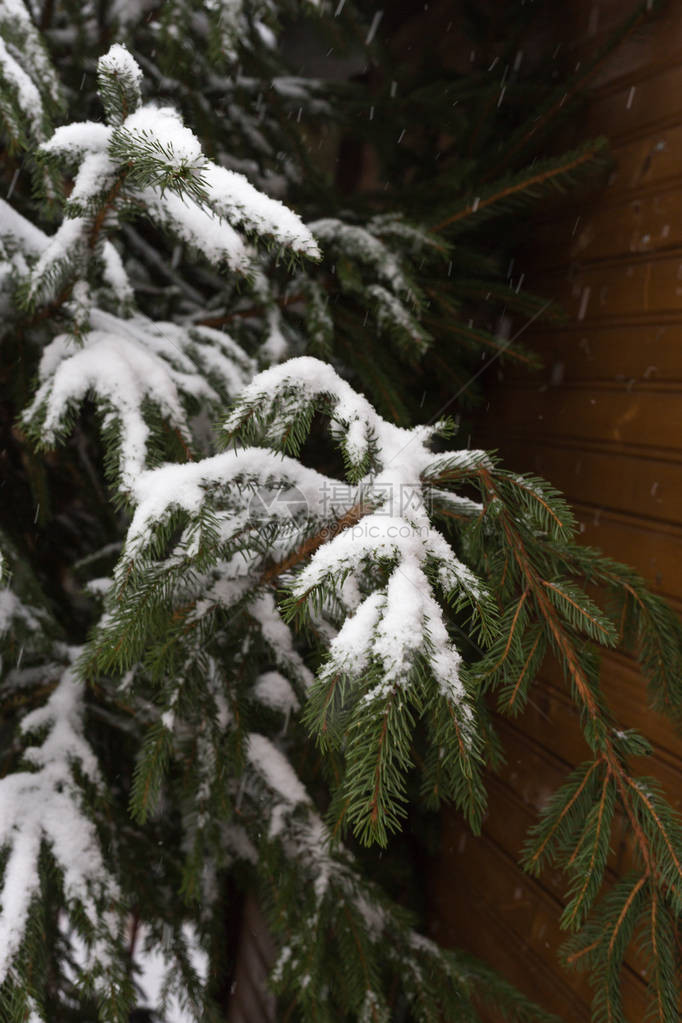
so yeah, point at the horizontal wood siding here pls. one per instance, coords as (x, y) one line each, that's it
(602, 421)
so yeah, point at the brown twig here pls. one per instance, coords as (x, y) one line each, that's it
(520, 186)
(309, 546)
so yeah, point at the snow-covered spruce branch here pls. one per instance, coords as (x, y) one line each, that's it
(30, 89)
(395, 296)
(147, 376)
(344, 928)
(146, 162)
(62, 892)
(48, 837)
(374, 583)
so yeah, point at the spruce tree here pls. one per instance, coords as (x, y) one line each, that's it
(251, 612)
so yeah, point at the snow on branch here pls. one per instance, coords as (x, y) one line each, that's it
(41, 806)
(233, 197)
(119, 78)
(372, 263)
(147, 162)
(192, 487)
(29, 89)
(132, 367)
(235, 23)
(373, 583)
(336, 908)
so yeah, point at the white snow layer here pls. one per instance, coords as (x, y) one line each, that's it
(119, 61)
(275, 769)
(209, 225)
(185, 487)
(21, 232)
(127, 364)
(273, 690)
(43, 806)
(236, 199)
(25, 65)
(74, 141)
(153, 967)
(26, 92)
(163, 127)
(397, 624)
(394, 625)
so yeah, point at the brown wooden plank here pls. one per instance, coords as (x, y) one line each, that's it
(589, 25)
(527, 759)
(626, 691)
(644, 286)
(465, 921)
(519, 790)
(527, 917)
(654, 43)
(623, 354)
(533, 774)
(517, 783)
(656, 554)
(497, 887)
(507, 822)
(597, 413)
(645, 163)
(643, 223)
(648, 488)
(635, 104)
(635, 210)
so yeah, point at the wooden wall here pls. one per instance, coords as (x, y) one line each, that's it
(603, 421)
